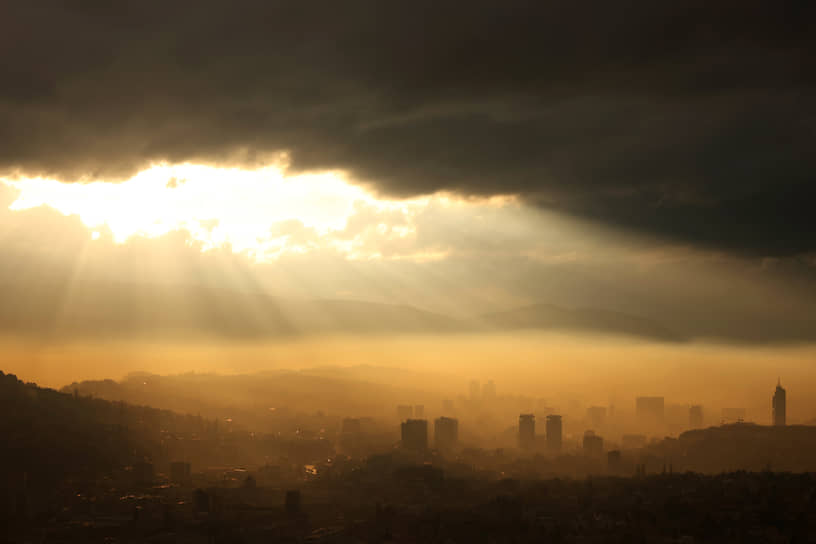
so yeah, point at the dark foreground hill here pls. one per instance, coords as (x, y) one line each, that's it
(48, 436)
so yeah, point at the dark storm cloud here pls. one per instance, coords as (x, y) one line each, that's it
(691, 120)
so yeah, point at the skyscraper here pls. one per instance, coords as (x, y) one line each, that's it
(446, 433)
(779, 405)
(554, 433)
(526, 431)
(414, 434)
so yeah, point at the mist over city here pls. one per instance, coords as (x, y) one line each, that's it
(382, 272)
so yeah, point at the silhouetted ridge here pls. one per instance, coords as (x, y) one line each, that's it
(49, 435)
(548, 316)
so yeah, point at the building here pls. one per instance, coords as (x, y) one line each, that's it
(779, 405)
(419, 411)
(593, 444)
(180, 472)
(447, 406)
(414, 433)
(446, 433)
(405, 411)
(526, 431)
(696, 416)
(650, 408)
(596, 415)
(554, 433)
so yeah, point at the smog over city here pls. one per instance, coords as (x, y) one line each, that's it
(407, 271)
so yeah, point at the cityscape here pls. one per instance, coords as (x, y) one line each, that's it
(446, 272)
(148, 474)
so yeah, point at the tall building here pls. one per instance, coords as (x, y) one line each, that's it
(405, 411)
(414, 434)
(554, 433)
(419, 411)
(696, 416)
(446, 433)
(593, 444)
(526, 431)
(779, 405)
(650, 408)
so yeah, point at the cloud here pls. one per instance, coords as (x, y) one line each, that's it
(59, 282)
(692, 121)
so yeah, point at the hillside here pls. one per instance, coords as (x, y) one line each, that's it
(550, 317)
(48, 435)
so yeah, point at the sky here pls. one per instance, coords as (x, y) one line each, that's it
(177, 169)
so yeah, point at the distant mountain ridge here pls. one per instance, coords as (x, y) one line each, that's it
(158, 311)
(551, 317)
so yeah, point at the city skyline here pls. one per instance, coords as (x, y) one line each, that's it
(403, 272)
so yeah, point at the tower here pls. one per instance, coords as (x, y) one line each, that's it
(526, 431)
(779, 405)
(554, 433)
(446, 433)
(414, 434)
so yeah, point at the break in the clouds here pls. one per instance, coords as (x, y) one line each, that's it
(61, 278)
(694, 121)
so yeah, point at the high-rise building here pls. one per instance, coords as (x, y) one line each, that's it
(553, 433)
(593, 444)
(419, 411)
(414, 434)
(696, 416)
(779, 405)
(446, 433)
(526, 431)
(405, 411)
(447, 406)
(650, 408)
